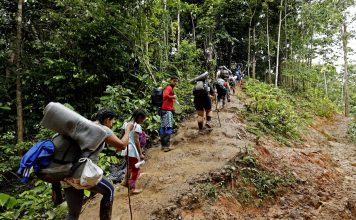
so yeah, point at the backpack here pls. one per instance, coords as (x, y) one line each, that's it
(224, 74)
(65, 158)
(39, 156)
(77, 137)
(157, 97)
(143, 139)
(200, 89)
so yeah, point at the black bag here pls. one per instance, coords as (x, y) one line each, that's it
(157, 97)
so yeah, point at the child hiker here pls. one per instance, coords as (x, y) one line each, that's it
(134, 154)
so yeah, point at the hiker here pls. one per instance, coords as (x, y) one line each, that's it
(133, 152)
(74, 197)
(232, 83)
(238, 75)
(202, 93)
(223, 72)
(221, 92)
(166, 114)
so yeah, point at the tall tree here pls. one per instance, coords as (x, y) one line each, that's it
(18, 71)
(278, 43)
(345, 36)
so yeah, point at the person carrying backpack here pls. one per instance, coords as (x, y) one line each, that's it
(166, 114)
(202, 93)
(74, 197)
(238, 75)
(134, 151)
(221, 91)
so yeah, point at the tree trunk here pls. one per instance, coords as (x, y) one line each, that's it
(249, 44)
(19, 118)
(285, 30)
(346, 75)
(165, 35)
(191, 16)
(178, 26)
(254, 54)
(268, 53)
(278, 43)
(249, 52)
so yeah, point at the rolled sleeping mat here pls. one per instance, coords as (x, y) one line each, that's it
(200, 77)
(65, 121)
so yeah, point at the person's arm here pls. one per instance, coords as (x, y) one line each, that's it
(120, 144)
(138, 145)
(166, 93)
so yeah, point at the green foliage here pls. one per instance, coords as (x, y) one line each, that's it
(352, 130)
(315, 103)
(274, 111)
(7, 201)
(248, 182)
(10, 160)
(209, 190)
(32, 204)
(266, 184)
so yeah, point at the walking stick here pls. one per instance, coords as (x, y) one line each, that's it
(217, 110)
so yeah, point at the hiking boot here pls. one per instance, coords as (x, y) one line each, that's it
(166, 149)
(135, 191)
(207, 125)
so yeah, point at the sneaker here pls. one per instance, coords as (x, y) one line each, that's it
(208, 125)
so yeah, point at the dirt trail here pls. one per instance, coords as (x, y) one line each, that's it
(324, 165)
(167, 175)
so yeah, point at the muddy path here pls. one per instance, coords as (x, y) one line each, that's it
(167, 175)
(324, 165)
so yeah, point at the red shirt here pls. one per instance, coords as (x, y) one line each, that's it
(168, 98)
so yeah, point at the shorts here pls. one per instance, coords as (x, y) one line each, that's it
(202, 103)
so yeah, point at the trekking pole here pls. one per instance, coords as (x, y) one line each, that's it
(217, 110)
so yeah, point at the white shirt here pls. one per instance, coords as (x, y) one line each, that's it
(133, 152)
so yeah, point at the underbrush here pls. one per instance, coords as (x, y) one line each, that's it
(352, 130)
(246, 181)
(273, 111)
(31, 204)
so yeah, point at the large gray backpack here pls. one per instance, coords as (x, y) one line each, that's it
(77, 137)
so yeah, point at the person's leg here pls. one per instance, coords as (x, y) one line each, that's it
(105, 188)
(74, 198)
(198, 104)
(167, 140)
(165, 130)
(57, 197)
(200, 119)
(220, 98)
(208, 118)
(134, 174)
(208, 112)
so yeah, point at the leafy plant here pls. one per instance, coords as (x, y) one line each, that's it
(32, 204)
(352, 130)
